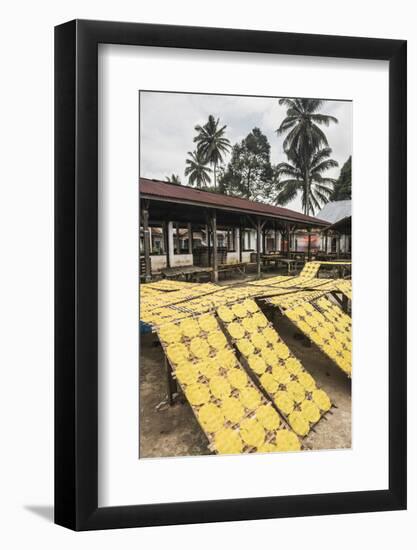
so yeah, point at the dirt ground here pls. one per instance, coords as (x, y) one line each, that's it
(164, 430)
(167, 431)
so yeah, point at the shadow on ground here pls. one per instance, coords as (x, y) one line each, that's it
(44, 512)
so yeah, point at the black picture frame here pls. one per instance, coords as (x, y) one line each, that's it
(76, 271)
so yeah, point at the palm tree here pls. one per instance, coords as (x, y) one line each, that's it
(304, 136)
(197, 170)
(315, 188)
(211, 143)
(173, 178)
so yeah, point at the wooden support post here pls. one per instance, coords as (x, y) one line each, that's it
(258, 248)
(336, 297)
(325, 241)
(263, 241)
(172, 387)
(342, 300)
(309, 244)
(146, 246)
(177, 237)
(190, 239)
(165, 228)
(282, 240)
(258, 227)
(276, 239)
(240, 243)
(208, 244)
(150, 240)
(215, 263)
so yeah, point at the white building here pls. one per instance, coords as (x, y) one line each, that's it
(337, 238)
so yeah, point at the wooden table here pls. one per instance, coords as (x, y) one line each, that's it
(291, 264)
(188, 272)
(271, 258)
(229, 268)
(338, 268)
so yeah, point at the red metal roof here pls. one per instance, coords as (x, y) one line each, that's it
(154, 189)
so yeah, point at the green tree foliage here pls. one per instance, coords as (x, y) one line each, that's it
(212, 143)
(304, 136)
(174, 178)
(343, 186)
(197, 170)
(249, 172)
(319, 188)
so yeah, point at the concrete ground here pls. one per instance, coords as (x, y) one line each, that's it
(173, 430)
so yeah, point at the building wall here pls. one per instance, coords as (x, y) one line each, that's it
(177, 260)
(344, 243)
(246, 256)
(158, 262)
(234, 257)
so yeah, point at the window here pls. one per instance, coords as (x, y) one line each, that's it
(199, 237)
(157, 240)
(231, 239)
(247, 239)
(220, 238)
(270, 241)
(349, 244)
(181, 238)
(226, 238)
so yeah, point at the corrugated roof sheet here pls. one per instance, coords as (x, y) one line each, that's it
(335, 211)
(182, 193)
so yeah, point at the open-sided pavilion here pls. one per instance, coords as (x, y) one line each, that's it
(180, 223)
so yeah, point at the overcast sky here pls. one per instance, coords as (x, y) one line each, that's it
(167, 122)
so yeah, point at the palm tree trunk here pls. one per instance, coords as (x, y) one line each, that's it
(214, 173)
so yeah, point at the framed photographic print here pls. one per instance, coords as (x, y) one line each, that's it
(230, 275)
